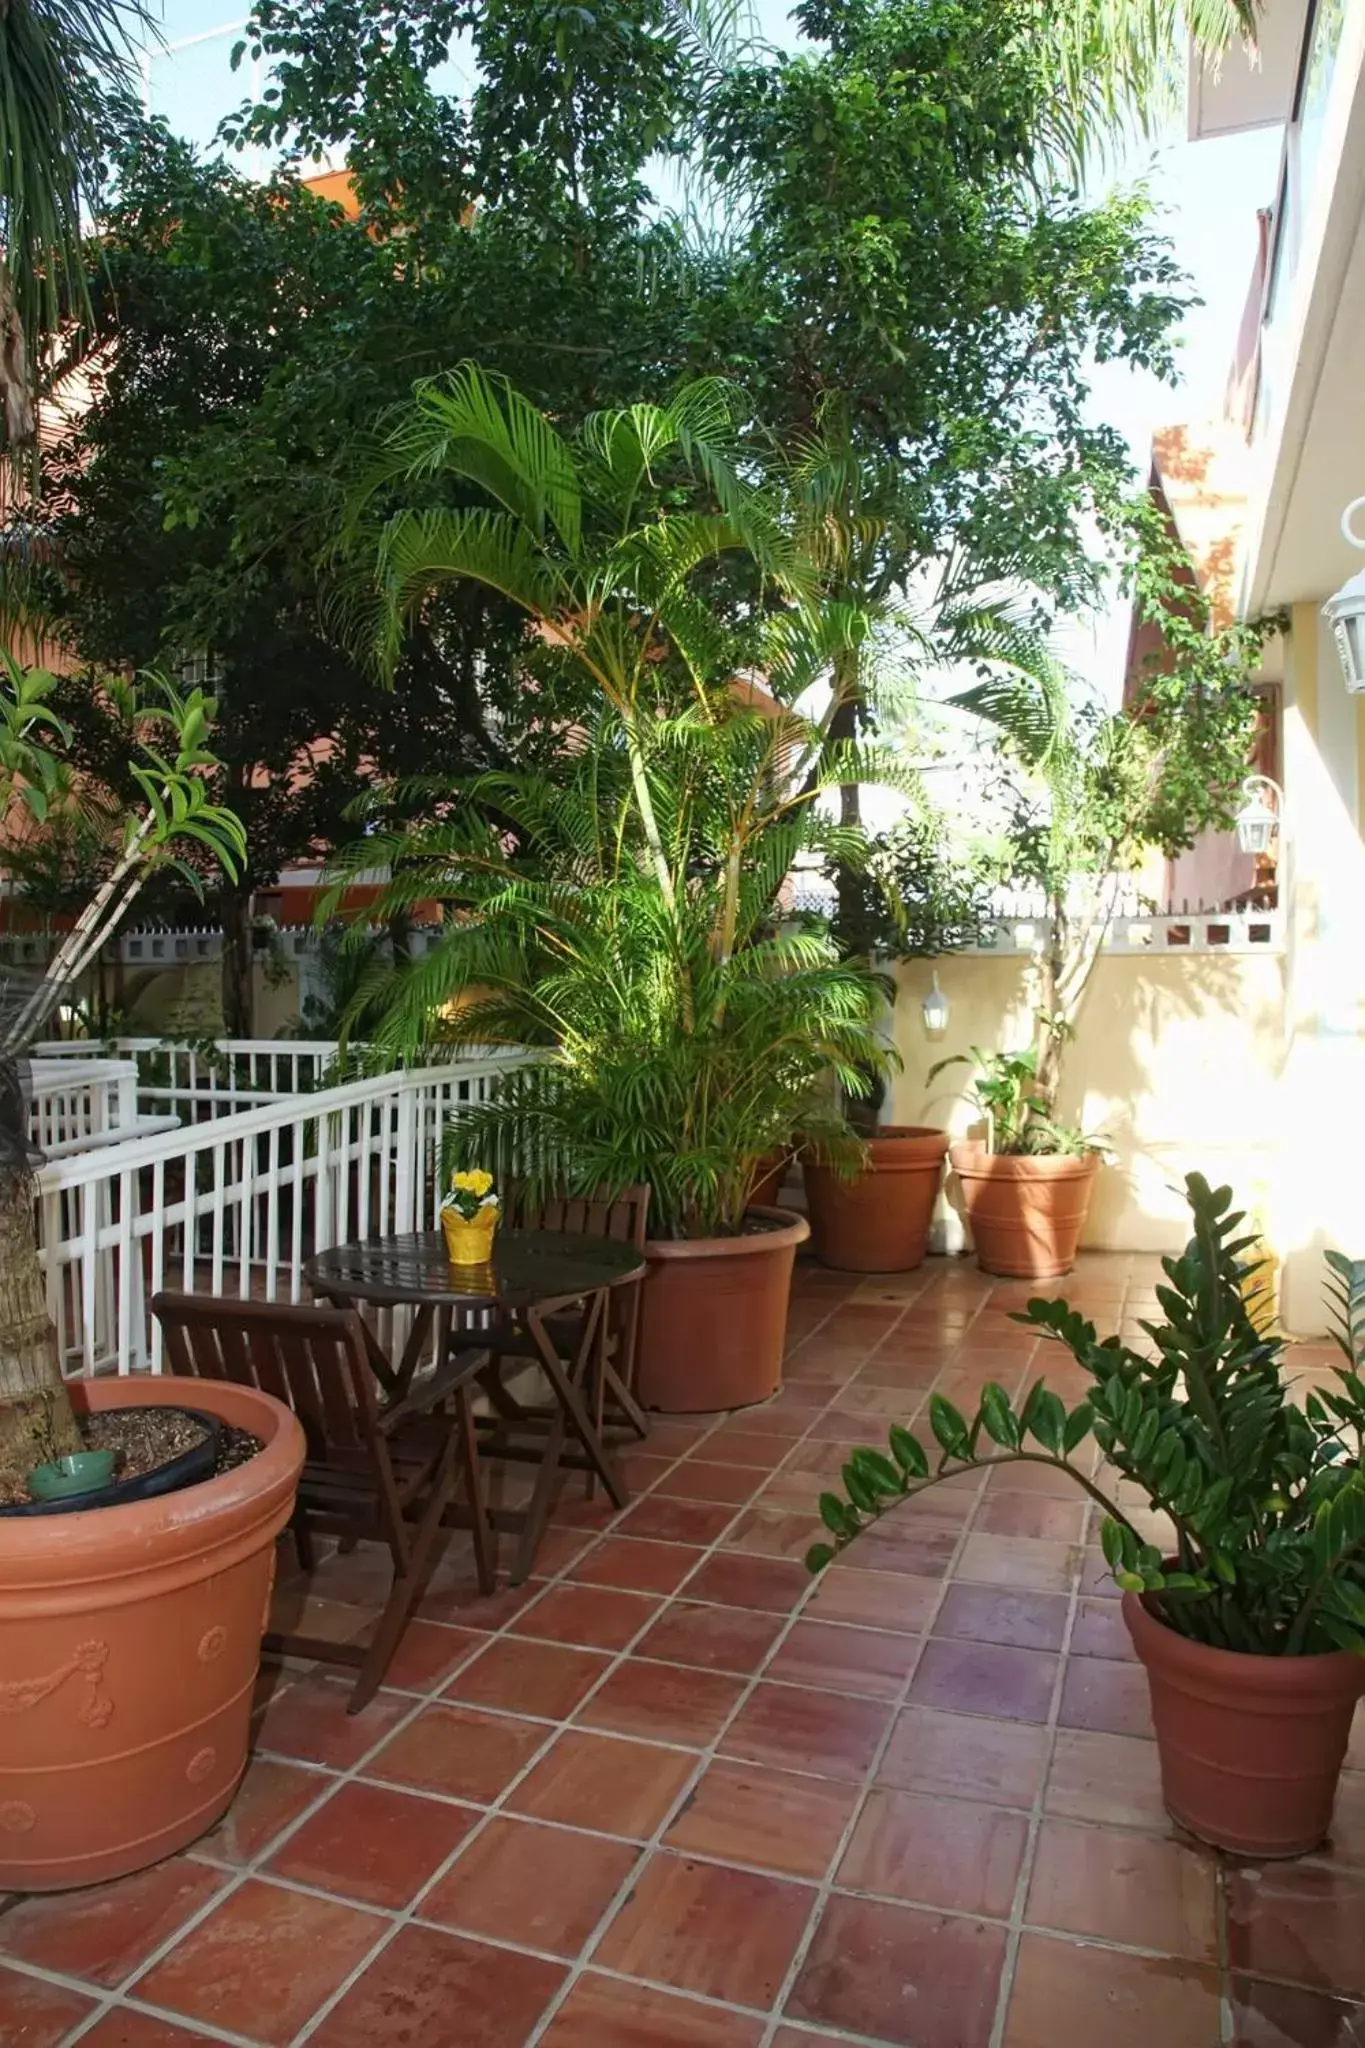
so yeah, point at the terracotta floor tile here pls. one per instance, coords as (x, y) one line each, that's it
(558, 1548)
(1098, 1693)
(776, 1532)
(677, 1436)
(1299, 1922)
(1032, 1479)
(1114, 1778)
(605, 1783)
(919, 1547)
(768, 1583)
(709, 1928)
(466, 1607)
(637, 1566)
(1026, 1563)
(459, 1752)
(1100, 1631)
(1034, 1514)
(306, 1717)
(663, 1703)
(521, 1677)
(374, 1845)
(786, 1726)
(742, 1813)
(987, 1614)
(542, 1886)
(1283, 2016)
(894, 1600)
(122, 2027)
(698, 1522)
(429, 1989)
(984, 1678)
(1066, 1992)
(35, 2014)
(733, 1444)
(429, 1652)
(593, 1617)
(601, 2012)
(703, 1479)
(963, 1757)
(712, 1638)
(951, 1854)
(270, 1796)
(901, 1975)
(858, 1660)
(103, 1932)
(1127, 1888)
(262, 1963)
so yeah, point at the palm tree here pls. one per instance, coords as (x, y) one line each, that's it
(623, 912)
(59, 62)
(1120, 64)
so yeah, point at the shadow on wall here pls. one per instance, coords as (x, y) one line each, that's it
(1175, 1065)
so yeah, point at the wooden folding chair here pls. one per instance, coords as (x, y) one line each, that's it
(386, 1474)
(623, 1217)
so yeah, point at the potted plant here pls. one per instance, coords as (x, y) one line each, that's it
(130, 1615)
(619, 908)
(915, 899)
(1250, 1617)
(1026, 1186)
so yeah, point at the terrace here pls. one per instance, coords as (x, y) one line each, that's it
(675, 1792)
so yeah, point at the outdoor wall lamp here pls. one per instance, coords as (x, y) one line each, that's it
(934, 1010)
(1256, 821)
(1345, 613)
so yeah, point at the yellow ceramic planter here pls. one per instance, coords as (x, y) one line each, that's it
(469, 1239)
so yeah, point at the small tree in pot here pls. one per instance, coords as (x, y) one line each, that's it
(622, 909)
(1251, 1623)
(1085, 793)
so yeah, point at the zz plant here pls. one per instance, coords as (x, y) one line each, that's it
(1266, 1496)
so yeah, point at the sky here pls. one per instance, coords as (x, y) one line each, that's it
(1207, 194)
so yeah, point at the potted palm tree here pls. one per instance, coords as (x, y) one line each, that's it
(1250, 1616)
(621, 909)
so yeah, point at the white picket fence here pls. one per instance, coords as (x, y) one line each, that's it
(236, 1203)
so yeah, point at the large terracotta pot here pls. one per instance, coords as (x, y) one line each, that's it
(1025, 1214)
(769, 1177)
(713, 1316)
(1251, 1747)
(878, 1223)
(129, 1644)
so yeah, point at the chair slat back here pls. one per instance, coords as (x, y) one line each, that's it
(312, 1359)
(623, 1216)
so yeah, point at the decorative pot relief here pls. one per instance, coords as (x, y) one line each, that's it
(16, 1817)
(212, 1643)
(17, 1695)
(200, 1764)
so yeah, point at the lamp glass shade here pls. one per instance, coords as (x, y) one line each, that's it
(1345, 614)
(934, 1010)
(1256, 824)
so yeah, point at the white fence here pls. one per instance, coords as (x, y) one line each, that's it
(236, 1204)
(76, 1102)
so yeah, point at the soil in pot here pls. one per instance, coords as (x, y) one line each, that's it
(878, 1223)
(1251, 1747)
(1025, 1213)
(155, 1450)
(713, 1315)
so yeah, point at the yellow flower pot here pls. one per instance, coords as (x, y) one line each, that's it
(469, 1240)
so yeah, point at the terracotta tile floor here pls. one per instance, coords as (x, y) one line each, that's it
(676, 1795)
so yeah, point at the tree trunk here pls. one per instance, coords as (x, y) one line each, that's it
(239, 972)
(36, 1422)
(843, 726)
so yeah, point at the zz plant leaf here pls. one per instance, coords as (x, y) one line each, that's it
(1264, 1492)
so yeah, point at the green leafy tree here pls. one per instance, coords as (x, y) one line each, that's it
(1266, 1497)
(623, 912)
(171, 818)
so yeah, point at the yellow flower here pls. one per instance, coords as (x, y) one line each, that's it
(476, 1183)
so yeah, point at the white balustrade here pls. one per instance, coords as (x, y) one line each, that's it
(236, 1204)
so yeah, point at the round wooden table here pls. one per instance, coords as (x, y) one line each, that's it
(532, 1276)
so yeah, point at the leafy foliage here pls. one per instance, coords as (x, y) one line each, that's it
(624, 911)
(1266, 1497)
(1018, 1117)
(917, 896)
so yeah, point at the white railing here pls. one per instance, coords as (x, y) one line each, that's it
(79, 1101)
(237, 1204)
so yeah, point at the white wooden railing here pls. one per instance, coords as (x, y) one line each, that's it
(79, 1101)
(236, 1204)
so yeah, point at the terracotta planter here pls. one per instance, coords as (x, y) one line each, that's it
(1251, 1747)
(713, 1317)
(129, 1644)
(1026, 1214)
(878, 1223)
(769, 1176)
